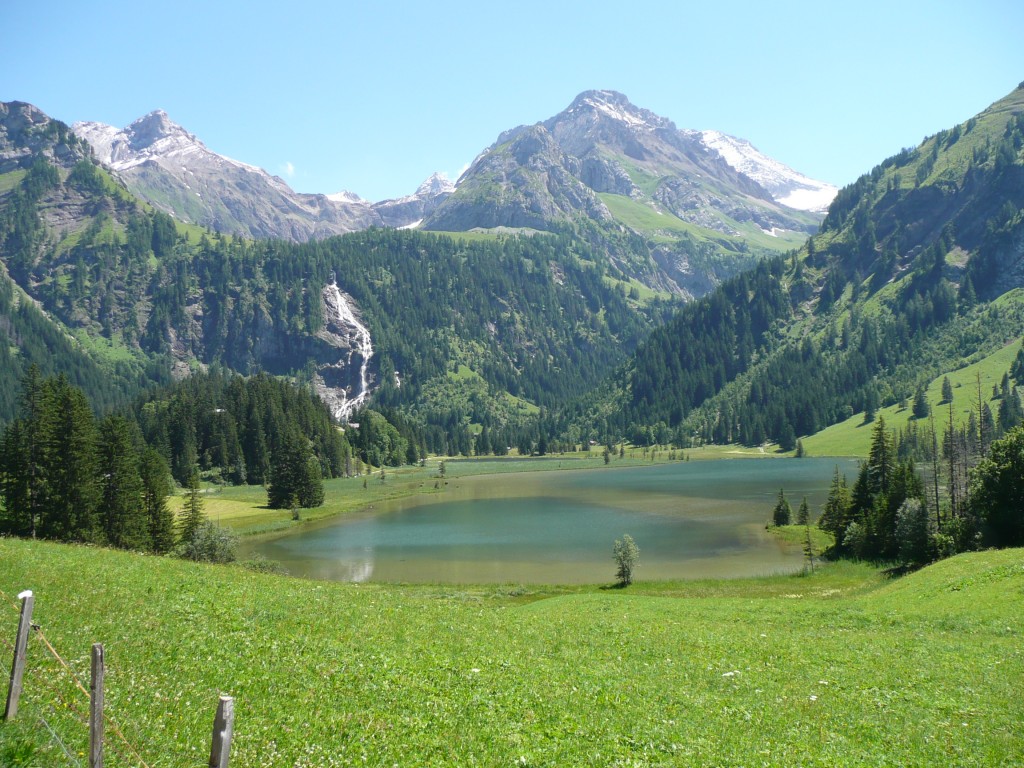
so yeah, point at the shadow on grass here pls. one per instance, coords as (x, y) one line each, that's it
(618, 585)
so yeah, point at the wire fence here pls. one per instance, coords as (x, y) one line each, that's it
(125, 750)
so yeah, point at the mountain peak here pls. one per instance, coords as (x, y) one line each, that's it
(152, 136)
(155, 127)
(614, 106)
(437, 184)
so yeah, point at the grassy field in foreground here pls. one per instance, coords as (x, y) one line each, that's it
(836, 668)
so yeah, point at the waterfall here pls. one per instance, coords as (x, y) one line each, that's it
(360, 334)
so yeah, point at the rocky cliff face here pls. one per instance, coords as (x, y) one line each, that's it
(173, 170)
(524, 181)
(346, 382)
(27, 133)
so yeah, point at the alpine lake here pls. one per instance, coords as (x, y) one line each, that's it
(700, 519)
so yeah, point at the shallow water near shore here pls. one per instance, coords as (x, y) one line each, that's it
(690, 520)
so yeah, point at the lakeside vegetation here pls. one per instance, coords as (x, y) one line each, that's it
(835, 668)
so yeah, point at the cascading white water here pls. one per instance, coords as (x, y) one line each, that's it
(363, 345)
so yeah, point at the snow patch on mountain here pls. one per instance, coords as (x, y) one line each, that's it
(617, 113)
(786, 186)
(345, 197)
(615, 106)
(153, 137)
(171, 168)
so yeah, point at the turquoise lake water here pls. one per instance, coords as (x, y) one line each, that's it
(690, 520)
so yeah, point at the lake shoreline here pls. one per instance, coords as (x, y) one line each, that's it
(715, 524)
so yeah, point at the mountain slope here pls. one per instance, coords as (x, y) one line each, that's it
(671, 212)
(900, 285)
(450, 331)
(602, 144)
(50, 193)
(172, 169)
(786, 186)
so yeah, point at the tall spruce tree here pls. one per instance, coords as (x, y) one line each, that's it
(156, 487)
(70, 461)
(947, 390)
(294, 474)
(836, 512)
(803, 514)
(192, 516)
(122, 510)
(783, 512)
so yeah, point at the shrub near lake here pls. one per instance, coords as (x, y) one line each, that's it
(836, 668)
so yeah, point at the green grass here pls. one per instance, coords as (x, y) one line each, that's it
(644, 217)
(822, 670)
(10, 180)
(645, 294)
(244, 508)
(853, 437)
(653, 219)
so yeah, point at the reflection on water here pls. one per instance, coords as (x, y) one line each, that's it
(690, 520)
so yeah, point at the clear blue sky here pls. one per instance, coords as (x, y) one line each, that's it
(374, 96)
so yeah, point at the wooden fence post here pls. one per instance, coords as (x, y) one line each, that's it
(96, 708)
(20, 652)
(223, 728)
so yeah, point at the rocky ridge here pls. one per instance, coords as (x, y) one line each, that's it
(172, 169)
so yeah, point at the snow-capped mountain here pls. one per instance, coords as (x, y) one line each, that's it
(533, 176)
(172, 169)
(550, 173)
(788, 187)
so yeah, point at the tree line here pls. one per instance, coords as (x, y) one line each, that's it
(66, 475)
(895, 513)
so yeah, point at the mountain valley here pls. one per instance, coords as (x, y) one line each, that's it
(519, 303)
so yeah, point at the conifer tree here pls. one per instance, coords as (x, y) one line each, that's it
(122, 512)
(156, 487)
(71, 465)
(27, 493)
(835, 514)
(803, 514)
(880, 459)
(783, 512)
(18, 517)
(921, 408)
(947, 390)
(193, 515)
(295, 472)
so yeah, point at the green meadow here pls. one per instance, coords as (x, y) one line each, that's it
(853, 436)
(838, 667)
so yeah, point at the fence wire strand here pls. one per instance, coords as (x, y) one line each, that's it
(60, 743)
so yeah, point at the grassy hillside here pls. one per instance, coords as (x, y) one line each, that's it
(853, 437)
(818, 670)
